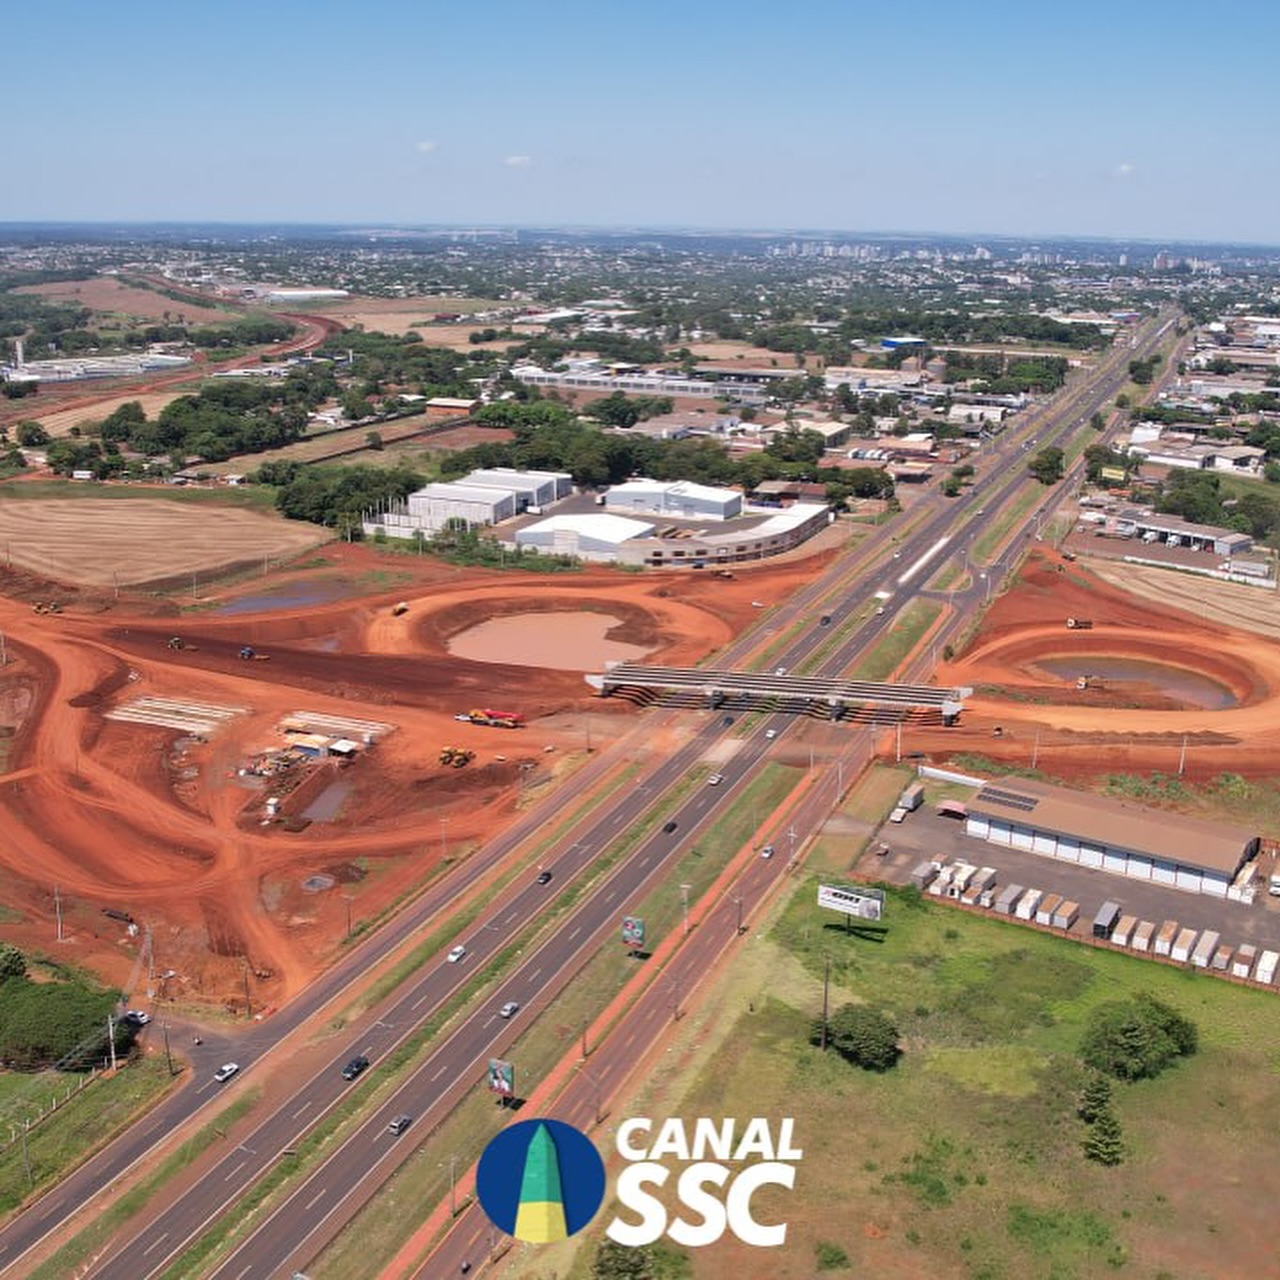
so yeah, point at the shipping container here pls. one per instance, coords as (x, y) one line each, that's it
(1222, 958)
(924, 875)
(1203, 953)
(1105, 921)
(1165, 937)
(1182, 945)
(1266, 970)
(1026, 909)
(912, 798)
(1008, 899)
(985, 878)
(938, 885)
(1142, 936)
(970, 896)
(1123, 931)
(1242, 965)
(961, 875)
(1047, 906)
(1065, 914)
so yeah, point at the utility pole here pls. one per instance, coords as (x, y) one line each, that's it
(684, 894)
(248, 1007)
(444, 849)
(57, 907)
(453, 1186)
(1035, 750)
(897, 755)
(739, 916)
(826, 988)
(1182, 756)
(584, 1035)
(4, 655)
(168, 1057)
(347, 900)
(111, 1039)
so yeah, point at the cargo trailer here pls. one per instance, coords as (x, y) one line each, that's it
(1266, 970)
(1203, 953)
(1047, 906)
(961, 876)
(1242, 965)
(924, 875)
(985, 878)
(1222, 958)
(912, 798)
(969, 898)
(1105, 921)
(1142, 936)
(1123, 931)
(1165, 937)
(1182, 945)
(1026, 909)
(1008, 899)
(1065, 914)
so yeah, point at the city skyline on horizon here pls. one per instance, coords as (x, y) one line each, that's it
(1139, 126)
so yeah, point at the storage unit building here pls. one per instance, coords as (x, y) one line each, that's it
(1266, 970)
(1027, 904)
(1111, 835)
(1166, 935)
(1065, 914)
(1205, 948)
(1242, 964)
(923, 876)
(1047, 906)
(531, 488)
(1142, 936)
(1105, 921)
(1182, 945)
(1008, 899)
(1222, 958)
(1123, 931)
(681, 499)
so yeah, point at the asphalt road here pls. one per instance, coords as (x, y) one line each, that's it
(367, 1156)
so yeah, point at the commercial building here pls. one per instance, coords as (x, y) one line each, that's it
(1111, 835)
(588, 536)
(779, 531)
(533, 489)
(432, 507)
(681, 499)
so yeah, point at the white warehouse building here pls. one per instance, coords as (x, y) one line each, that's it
(430, 509)
(1111, 835)
(533, 489)
(589, 536)
(681, 499)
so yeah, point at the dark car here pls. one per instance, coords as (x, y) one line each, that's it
(825, 620)
(544, 877)
(670, 827)
(355, 1067)
(399, 1124)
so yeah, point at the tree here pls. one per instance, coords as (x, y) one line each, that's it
(374, 440)
(13, 964)
(31, 435)
(617, 1262)
(1137, 1039)
(861, 1035)
(1048, 466)
(1095, 1097)
(1105, 1140)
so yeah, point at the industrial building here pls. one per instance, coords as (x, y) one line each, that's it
(779, 531)
(588, 536)
(1111, 835)
(432, 507)
(533, 490)
(681, 499)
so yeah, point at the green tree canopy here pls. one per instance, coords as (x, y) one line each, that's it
(861, 1035)
(1136, 1039)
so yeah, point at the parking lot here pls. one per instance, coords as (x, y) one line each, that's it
(923, 835)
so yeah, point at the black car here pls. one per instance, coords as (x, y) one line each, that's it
(355, 1067)
(670, 827)
(544, 877)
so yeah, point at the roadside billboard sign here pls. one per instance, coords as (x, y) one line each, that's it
(502, 1078)
(860, 901)
(633, 932)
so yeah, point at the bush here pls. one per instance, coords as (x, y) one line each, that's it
(830, 1257)
(861, 1035)
(1137, 1039)
(1105, 1140)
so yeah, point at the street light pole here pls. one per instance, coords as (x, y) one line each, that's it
(684, 895)
(444, 849)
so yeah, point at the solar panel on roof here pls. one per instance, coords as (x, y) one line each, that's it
(1009, 799)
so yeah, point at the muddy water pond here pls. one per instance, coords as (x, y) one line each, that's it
(1176, 682)
(553, 641)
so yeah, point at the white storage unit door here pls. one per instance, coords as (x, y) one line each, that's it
(976, 825)
(1164, 872)
(1044, 842)
(1090, 855)
(1068, 849)
(1138, 867)
(1214, 884)
(1022, 838)
(1113, 860)
(1000, 832)
(1189, 878)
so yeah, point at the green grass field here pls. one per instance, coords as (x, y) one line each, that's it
(965, 1160)
(256, 497)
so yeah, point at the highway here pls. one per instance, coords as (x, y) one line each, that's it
(292, 1232)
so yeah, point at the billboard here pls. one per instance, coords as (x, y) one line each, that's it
(865, 903)
(502, 1078)
(633, 932)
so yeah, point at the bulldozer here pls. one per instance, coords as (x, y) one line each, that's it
(250, 654)
(458, 757)
(177, 642)
(400, 609)
(46, 606)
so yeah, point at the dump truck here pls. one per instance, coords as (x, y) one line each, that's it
(457, 757)
(498, 719)
(46, 606)
(249, 653)
(722, 573)
(399, 609)
(1079, 624)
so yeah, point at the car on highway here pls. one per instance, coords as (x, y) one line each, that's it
(508, 1010)
(771, 734)
(456, 954)
(767, 851)
(715, 780)
(825, 620)
(669, 827)
(781, 671)
(136, 1018)
(544, 877)
(355, 1067)
(226, 1071)
(399, 1125)
(880, 611)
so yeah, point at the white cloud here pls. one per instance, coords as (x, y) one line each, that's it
(519, 162)
(427, 146)
(1123, 170)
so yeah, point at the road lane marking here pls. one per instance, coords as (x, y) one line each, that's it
(156, 1243)
(439, 1073)
(234, 1171)
(300, 1110)
(420, 1000)
(315, 1199)
(533, 977)
(612, 894)
(574, 934)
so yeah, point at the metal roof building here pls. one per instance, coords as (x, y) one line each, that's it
(531, 488)
(681, 499)
(1111, 835)
(589, 536)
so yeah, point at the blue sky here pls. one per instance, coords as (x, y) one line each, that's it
(1128, 119)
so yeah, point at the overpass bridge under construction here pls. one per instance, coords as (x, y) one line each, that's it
(819, 696)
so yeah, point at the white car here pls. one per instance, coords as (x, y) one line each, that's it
(456, 954)
(767, 851)
(508, 1009)
(715, 780)
(226, 1071)
(136, 1018)
(781, 671)
(771, 734)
